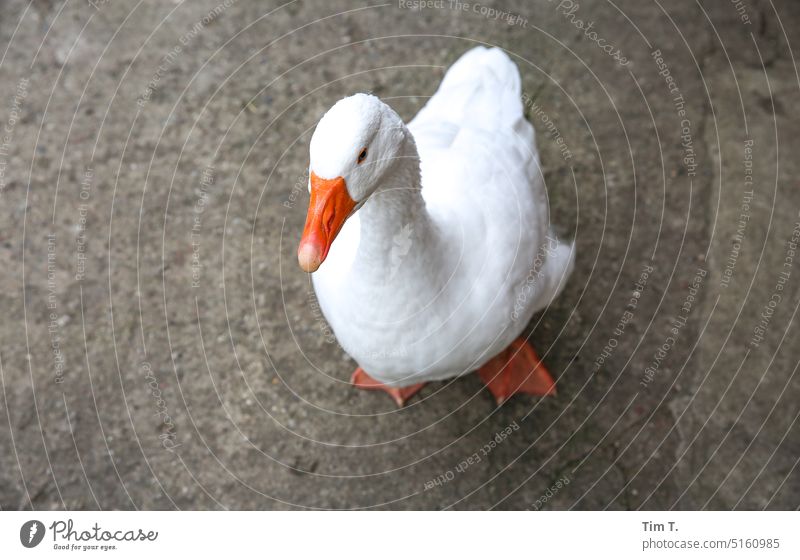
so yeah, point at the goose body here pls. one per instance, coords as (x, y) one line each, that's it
(446, 252)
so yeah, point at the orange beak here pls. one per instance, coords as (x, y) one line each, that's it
(329, 207)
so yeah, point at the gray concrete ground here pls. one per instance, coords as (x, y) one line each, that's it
(161, 349)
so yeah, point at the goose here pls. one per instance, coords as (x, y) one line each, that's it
(430, 243)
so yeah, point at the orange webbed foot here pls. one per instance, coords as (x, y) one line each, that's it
(517, 369)
(400, 395)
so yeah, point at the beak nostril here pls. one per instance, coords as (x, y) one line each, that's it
(329, 223)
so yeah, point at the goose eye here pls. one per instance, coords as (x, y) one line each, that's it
(362, 156)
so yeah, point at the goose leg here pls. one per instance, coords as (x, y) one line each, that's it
(517, 369)
(362, 380)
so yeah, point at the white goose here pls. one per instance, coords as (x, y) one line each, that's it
(443, 250)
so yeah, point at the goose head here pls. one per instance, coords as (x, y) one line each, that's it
(354, 145)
